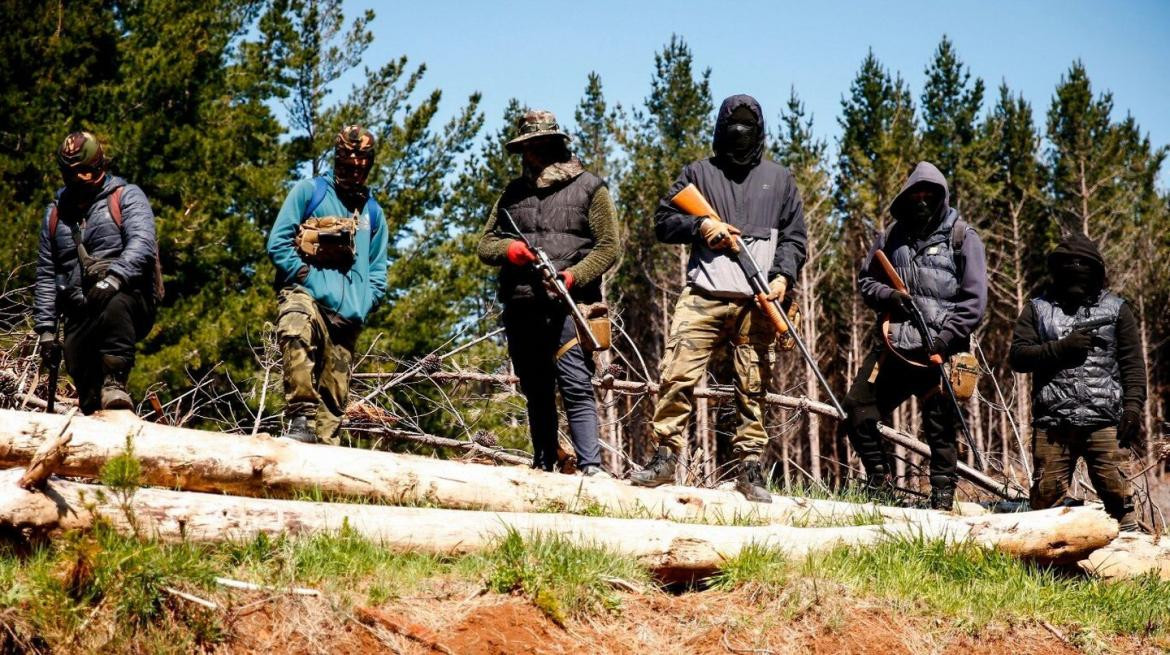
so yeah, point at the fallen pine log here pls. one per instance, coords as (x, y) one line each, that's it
(1130, 555)
(195, 460)
(672, 550)
(803, 404)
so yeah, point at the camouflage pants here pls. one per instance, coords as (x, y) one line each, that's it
(317, 357)
(1054, 456)
(701, 324)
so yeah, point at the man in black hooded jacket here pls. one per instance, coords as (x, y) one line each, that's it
(941, 260)
(758, 201)
(1080, 342)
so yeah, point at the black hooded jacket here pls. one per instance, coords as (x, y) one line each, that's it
(1031, 352)
(761, 200)
(949, 288)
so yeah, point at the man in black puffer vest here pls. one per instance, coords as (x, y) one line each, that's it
(941, 260)
(567, 212)
(1080, 342)
(96, 269)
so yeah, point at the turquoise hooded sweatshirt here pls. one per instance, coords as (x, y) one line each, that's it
(352, 294)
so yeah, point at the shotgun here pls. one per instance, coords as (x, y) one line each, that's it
(549, 273)
(691, 201)
(928, 345)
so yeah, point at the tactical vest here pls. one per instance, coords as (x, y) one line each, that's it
(931, 273)
(1089, 395)
(556, 220)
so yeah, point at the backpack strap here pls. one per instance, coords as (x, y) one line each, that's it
(375, 212)
(320, 188)
(958, 236)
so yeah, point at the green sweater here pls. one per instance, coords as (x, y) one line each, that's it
(493, 247)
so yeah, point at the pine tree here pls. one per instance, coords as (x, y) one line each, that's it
(593, 135)
(950, 108)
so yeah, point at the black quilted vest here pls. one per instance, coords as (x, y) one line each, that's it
(1089, 395)
(556, 220)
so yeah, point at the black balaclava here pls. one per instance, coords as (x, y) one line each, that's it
(742, 136)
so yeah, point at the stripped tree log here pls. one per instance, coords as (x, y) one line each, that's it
(801, 403)
(194, 460)
(1130, 555)
(672, 550)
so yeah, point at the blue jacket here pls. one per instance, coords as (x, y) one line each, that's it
(350, 295)
(130, 248)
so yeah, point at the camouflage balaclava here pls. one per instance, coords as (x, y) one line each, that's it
(83, 162)
(353, 157)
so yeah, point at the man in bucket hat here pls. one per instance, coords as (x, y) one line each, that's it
(568, 213)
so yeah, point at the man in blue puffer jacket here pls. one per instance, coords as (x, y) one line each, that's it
(329, 248)
(96, 270)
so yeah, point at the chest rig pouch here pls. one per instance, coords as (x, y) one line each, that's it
(328, 241)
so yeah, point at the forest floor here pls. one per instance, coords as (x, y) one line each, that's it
(101, 593)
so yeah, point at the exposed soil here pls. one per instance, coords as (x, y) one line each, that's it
(800, 620)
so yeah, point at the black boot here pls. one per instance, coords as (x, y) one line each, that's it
(750, 482)
(300, 430)
(942, 494)
(658, 472)
(115, 371)
(879, 487)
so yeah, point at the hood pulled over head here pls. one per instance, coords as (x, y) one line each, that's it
(923, 198)
(739, 131)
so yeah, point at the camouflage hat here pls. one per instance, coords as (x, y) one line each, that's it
(535, 124)
(355, 138)
(81, 150)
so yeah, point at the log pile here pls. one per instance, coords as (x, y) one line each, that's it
(676, 532)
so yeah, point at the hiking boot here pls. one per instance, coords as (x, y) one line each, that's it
(300, 430)
(116, 371)
(750, 482)
(594, 471)
(942, 498)
(658, 472)
(879, 488)
(1128, 523)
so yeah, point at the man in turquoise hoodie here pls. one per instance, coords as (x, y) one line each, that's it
(329, 249)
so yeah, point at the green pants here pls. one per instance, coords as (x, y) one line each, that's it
(1054, 456)
(317, 356)
(701, 324)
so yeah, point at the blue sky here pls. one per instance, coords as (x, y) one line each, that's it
(541, 52)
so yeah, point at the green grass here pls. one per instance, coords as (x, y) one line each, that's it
(561, 578)
(970, 585)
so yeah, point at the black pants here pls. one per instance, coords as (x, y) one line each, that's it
(112, 331)
(873, 397)
(535, 332)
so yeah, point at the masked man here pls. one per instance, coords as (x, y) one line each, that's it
(1080, 342)
(329, 248)
(759, 203)
(941, 260)
(568, 213)
(97, 269)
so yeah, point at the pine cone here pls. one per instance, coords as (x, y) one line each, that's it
(430, 364)
(485, 439)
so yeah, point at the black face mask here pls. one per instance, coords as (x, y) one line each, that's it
(740, 142)
(1074, 278)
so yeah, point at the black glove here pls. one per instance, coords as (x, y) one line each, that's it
(940, 347)
(50, 349)
(100, 293)
(1129, 433)
(899, 303)
(1074, 347)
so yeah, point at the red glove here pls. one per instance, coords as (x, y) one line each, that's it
(567, 277)
(520, 254)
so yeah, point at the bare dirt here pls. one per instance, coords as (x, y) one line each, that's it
(747, 622)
